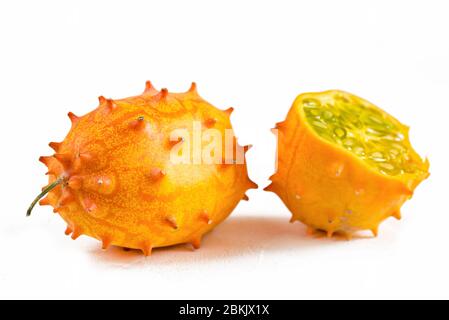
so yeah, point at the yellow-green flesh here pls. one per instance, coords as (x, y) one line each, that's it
(362, 129)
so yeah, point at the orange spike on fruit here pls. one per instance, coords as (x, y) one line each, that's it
(138, 124)
(68, 231)
(228, 111)
(149, 88)
(101, 100)
(109, 103)
(146, 248)
(55, 145)
(210, 122)
(81, 160)
(339, 149)
(270, 188)
(75, 182)
(111, 180)
(196, 242)
(397, 215)
(171, 221)
(73, 118)
(49, 172)
(164, 93)
(44, 202)
(105, 242)
(89, 205)
(280, 125)
(173, 142)
(192, 88)
(66, 197)
(251, 184)
(65, 159)
(156, 174)
(205, 217)
(77, 231)
(45, 160)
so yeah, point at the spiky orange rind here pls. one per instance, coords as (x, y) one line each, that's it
(338, 171)
(112, 177)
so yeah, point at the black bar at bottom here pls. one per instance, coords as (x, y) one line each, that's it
(215, 309)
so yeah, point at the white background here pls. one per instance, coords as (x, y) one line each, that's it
(58, 56)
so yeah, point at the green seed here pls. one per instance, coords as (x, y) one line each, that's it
(374, 132)
(389, 137)
(327, 115)
(358, 124)
(319, 124)
(311, 103)
(375, 119)
(394, 152)
(353, 117)
(340, 132)
(328, 137)
(399, 137)
(387, 166)
(377, 156)
(409, 168)
(360, 151)
(340, 98)
(349, 142)
(399, 147)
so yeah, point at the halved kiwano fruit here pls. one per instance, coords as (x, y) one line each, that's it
(344, 164)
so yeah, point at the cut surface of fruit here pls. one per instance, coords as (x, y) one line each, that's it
(343, 164)
(363, 129)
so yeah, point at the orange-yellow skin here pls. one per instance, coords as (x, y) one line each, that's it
(120, 186)
(328, 188)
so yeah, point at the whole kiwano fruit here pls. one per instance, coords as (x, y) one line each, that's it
(344, 164)
(148, 171)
